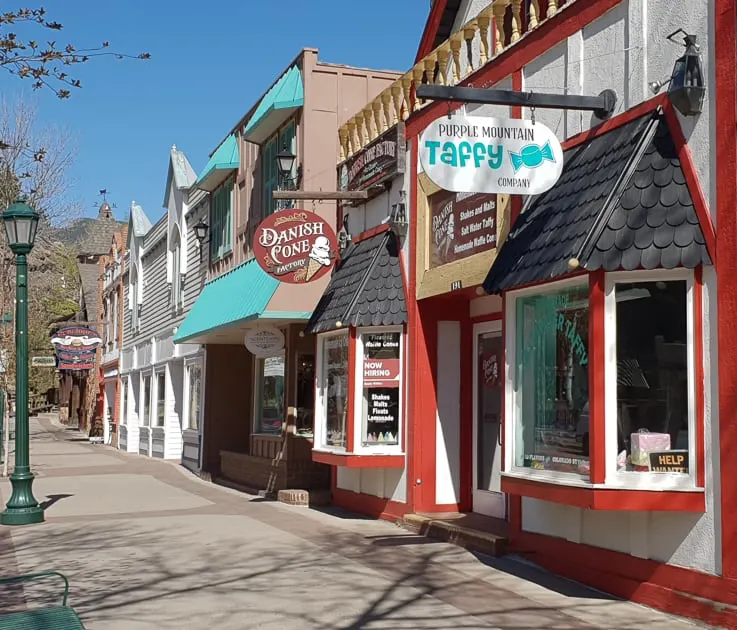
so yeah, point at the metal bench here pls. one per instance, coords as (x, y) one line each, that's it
(48, 618)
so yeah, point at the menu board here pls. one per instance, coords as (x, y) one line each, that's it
(461, 225)
(381, 379)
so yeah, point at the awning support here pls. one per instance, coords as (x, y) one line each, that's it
(602, 105)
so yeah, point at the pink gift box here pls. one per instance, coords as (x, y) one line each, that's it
(644, 443)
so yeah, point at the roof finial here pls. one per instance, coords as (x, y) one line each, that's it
(173, 147)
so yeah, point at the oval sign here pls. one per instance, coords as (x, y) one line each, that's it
(265, 341)
(491, 155)
(295, 246)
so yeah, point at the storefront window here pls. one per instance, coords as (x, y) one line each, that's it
(270, 376)
(305, 394)
(552, 398)
(194, 376)
(160, 399)
(146, 400)
(381, 379)
(123, 400)
(335, 388)
(652, 377)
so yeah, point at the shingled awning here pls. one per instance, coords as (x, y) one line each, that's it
(366, 288)
(621, 203)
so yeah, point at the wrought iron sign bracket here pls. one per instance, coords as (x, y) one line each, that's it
(602, 106)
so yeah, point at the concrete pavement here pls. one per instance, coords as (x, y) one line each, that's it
(146, 545)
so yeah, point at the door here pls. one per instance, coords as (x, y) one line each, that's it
(488, 380)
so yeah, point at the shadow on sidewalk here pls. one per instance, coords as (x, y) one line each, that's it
(53, 498)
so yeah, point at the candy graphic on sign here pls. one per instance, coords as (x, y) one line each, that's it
(295, 246)
(532, 156)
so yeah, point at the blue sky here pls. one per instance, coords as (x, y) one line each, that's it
(210, 63)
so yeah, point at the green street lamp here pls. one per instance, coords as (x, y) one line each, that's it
(21, 222)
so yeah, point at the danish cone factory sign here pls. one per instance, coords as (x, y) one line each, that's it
(295, 246)
(491, 155)
(76, 347)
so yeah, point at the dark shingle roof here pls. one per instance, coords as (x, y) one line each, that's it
(366, 288)
(88, 275)
(621, 203)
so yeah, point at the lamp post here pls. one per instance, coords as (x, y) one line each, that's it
(21, 221)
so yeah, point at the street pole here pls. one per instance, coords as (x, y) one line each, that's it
(22, 508)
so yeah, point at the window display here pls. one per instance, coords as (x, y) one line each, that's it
(381, 379)
(270, 375)
(335, 384)
(552, 381)
(652, 377)
(194, 372)
(160, 399)
(146, 400)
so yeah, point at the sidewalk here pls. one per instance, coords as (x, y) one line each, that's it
(146, 545)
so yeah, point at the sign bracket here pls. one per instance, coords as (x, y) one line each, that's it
(602, 105)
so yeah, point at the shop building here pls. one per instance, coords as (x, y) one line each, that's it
(110, 327)
(162, 406)
(258, 416)
(567, 360)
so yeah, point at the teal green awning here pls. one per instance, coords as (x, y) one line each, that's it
(278, 104)
(227, 158)
(237, 296)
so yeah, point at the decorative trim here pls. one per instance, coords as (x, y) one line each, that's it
(351, 460)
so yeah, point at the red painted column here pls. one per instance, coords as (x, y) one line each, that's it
(597, 381)
(723, 135)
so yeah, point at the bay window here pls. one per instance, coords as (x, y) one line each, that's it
(359, 392)
(624, 406)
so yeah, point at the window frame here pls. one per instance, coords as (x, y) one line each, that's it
(188, 365)
(177, 298)
(614, 480)
(357, 447)
(647, 480)
(146, 416)
(269, 166)
(258, 389)
(511, 398)
(124, 402)
(221, 220)
(158, 398)
(320, 397)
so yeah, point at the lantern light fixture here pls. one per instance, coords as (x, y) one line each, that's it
(687, 88)
(344, 237)
(21, 223)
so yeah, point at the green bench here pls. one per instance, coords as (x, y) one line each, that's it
(49, 618)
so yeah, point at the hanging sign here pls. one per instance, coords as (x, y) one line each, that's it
(43, 361)
(295, 246)
(76, 347)
(491, 155)
(264, 341)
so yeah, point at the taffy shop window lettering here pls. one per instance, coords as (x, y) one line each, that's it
(381, 379)
(552, 364)
(652, 377)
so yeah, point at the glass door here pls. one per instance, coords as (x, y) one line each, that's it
(488, 381)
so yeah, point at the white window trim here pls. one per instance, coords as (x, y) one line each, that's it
(357, 419)
(156, 395)
(124, 402)
(144, 421)
(320, 419)
(511, 400)
(646, 480)
(188, 363)
(613, 479)
(257, 388)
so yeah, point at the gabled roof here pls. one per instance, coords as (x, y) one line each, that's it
(138, 223)
(180, 172)
(439, 26)
(366, 289)
(622, 202)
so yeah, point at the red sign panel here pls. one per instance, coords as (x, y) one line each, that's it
(381, 373)
(295, 246)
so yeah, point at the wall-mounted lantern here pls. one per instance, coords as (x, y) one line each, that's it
(398, 216)
(687, 85)
(200, 232)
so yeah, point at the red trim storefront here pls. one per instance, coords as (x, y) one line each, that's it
(710, 597)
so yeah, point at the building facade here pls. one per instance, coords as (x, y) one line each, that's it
(258, 416)
(110, 327)
(564, 361)
(162, 382)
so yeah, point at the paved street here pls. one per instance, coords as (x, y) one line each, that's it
(147, 546)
